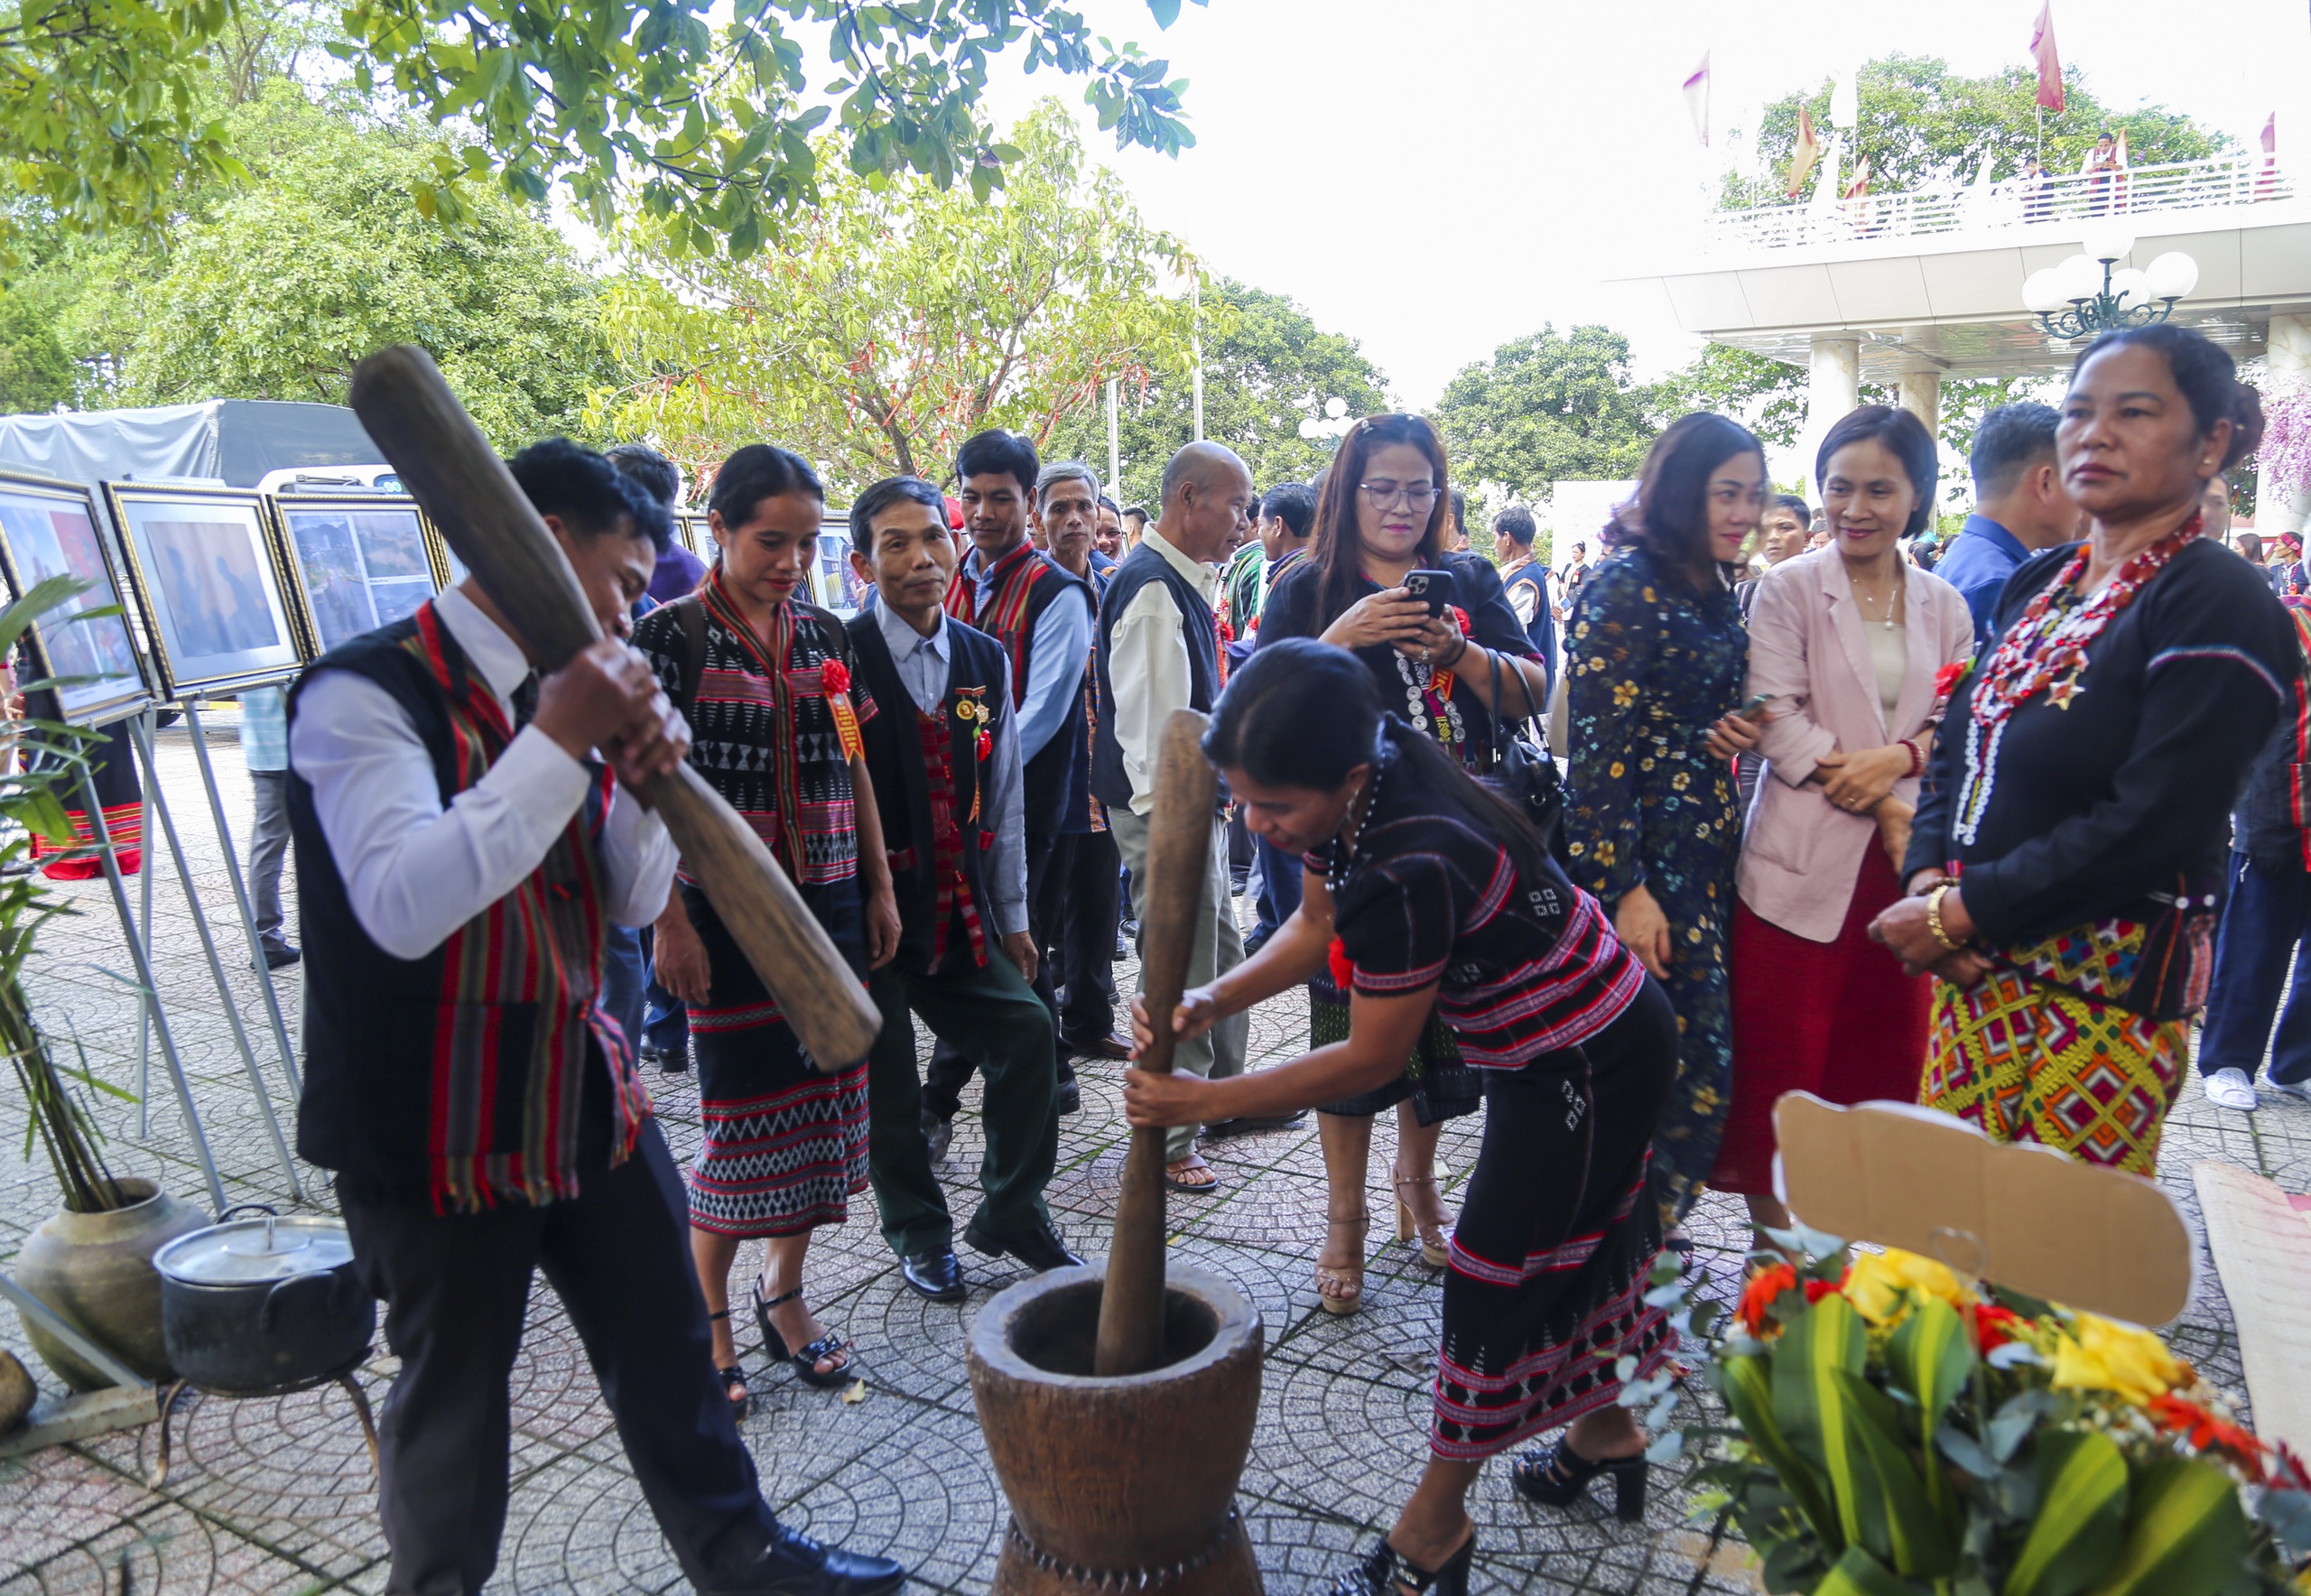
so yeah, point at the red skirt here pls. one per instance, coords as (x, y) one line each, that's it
(1838, 1020)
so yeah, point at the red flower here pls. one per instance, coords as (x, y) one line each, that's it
(1459, 618)
(834, 676)
(2206, 1433)
(1946, 679)
(1759, 1295)
(1343, 973)
(985, 746)
(1991, 1323)
(1815, 1290)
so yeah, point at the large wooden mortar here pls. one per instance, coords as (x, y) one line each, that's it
(1124, 1482)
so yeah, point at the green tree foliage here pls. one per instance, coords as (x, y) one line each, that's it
(1763, 394)
(1543, 407)
(896, 317)
(101, 117)
(695, 109)
(272, 290)
(35, 372)
(1268, 367)
(1923, 124)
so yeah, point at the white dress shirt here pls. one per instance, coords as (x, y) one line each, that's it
(1057, 655)
(922, 664)
(1147, 666)
(413, 871)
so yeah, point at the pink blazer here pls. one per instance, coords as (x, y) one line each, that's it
(1807, 653)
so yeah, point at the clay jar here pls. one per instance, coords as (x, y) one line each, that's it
(1128, 1482)
(95, 1270)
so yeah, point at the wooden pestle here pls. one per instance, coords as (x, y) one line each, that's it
(454, 474)
(1179, 852)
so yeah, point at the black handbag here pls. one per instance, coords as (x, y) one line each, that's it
(1523, 769)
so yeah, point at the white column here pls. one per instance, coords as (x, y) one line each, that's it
(2289, 354)
(1921, 395)
(1832, 387)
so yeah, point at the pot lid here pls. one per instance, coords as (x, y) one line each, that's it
(254, 1250)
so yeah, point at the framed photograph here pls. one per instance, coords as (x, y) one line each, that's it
(360, 562)
(49, 528)
(448, 570)
(695, 534)
(210, 585)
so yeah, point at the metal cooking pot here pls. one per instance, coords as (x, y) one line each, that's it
(253, 1307)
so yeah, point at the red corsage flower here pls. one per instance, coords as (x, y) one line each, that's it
(1343, 973)
(1459, 618)
(983, 747)
(834, 676)
(1946, 679)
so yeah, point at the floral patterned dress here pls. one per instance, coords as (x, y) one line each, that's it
(1651, 666)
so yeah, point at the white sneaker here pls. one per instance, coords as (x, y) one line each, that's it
(2294, 1089)
(2231, 1089)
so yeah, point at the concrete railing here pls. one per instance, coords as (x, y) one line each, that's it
(2066, 200)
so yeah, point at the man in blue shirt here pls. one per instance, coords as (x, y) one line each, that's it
(2019, 508)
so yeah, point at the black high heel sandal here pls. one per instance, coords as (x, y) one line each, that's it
(1386, 1573)
(734, 1382)
(1558, 1477)
(805, 1359)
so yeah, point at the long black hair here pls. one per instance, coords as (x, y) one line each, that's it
(1337, 556)
(1671, 516)
(1300, 713)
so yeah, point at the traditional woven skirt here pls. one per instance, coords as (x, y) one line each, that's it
(1558, 1232)
(785, 1147)
(1439, 1084)
(112, 771)
(2028, 1061)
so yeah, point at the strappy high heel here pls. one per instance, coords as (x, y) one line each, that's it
(734, 1381)
(1386, 1573)
(1558, 1477)
(1435, 1245)
(805, 1359)
(1349, 1276)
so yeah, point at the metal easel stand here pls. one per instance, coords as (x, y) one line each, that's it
(145, 1012)
(130, 1401)
(241, 897)
(102, 834)
(143, 733)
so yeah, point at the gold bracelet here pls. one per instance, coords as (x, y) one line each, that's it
(1934, 915)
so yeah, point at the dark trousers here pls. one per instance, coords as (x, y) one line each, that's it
(626, 978)
(455, 1288)
(999, 1025)
(2263, 938)
(268, 845)
(943, 1086)
(1281, 882)
(1080, 910)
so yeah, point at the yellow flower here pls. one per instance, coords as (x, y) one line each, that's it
(2100, 1355)
(1616, 771)
(1624, 694)
(1883, 1287)
(1677, 782)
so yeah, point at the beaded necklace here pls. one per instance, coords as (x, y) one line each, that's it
(1344, 859)
(2045, 651)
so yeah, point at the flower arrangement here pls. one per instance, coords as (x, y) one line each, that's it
(1898, 1432)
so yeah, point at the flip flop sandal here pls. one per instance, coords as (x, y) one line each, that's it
(1193, 1162)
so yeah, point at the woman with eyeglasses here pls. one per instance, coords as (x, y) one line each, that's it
(1385, 513)
(1655, 667)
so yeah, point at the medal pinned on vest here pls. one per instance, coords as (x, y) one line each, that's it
(970, 709)
(834, 680)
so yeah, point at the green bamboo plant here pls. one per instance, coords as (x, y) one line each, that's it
(45, 761)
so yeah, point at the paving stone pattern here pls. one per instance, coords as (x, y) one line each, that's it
(278, 1495)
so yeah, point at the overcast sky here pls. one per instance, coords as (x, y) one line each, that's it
(1436, 177)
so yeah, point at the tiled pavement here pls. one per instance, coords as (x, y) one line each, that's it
(277, 1495)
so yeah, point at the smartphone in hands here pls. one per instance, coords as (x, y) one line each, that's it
(1432, 588)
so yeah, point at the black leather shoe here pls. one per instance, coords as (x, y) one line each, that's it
(279, 956)
(1040, 1247)
(1070, 1098)
(938, 1132)
(797, 1565)
(938, 1276)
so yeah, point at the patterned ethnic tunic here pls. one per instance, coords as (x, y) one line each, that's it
(785, 1147)
(1550, 1261)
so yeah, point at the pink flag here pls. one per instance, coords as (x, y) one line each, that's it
(1697, 97)
(2042, 50)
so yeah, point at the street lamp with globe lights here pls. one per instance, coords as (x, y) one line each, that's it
(2099, 298)
(1335, 424)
